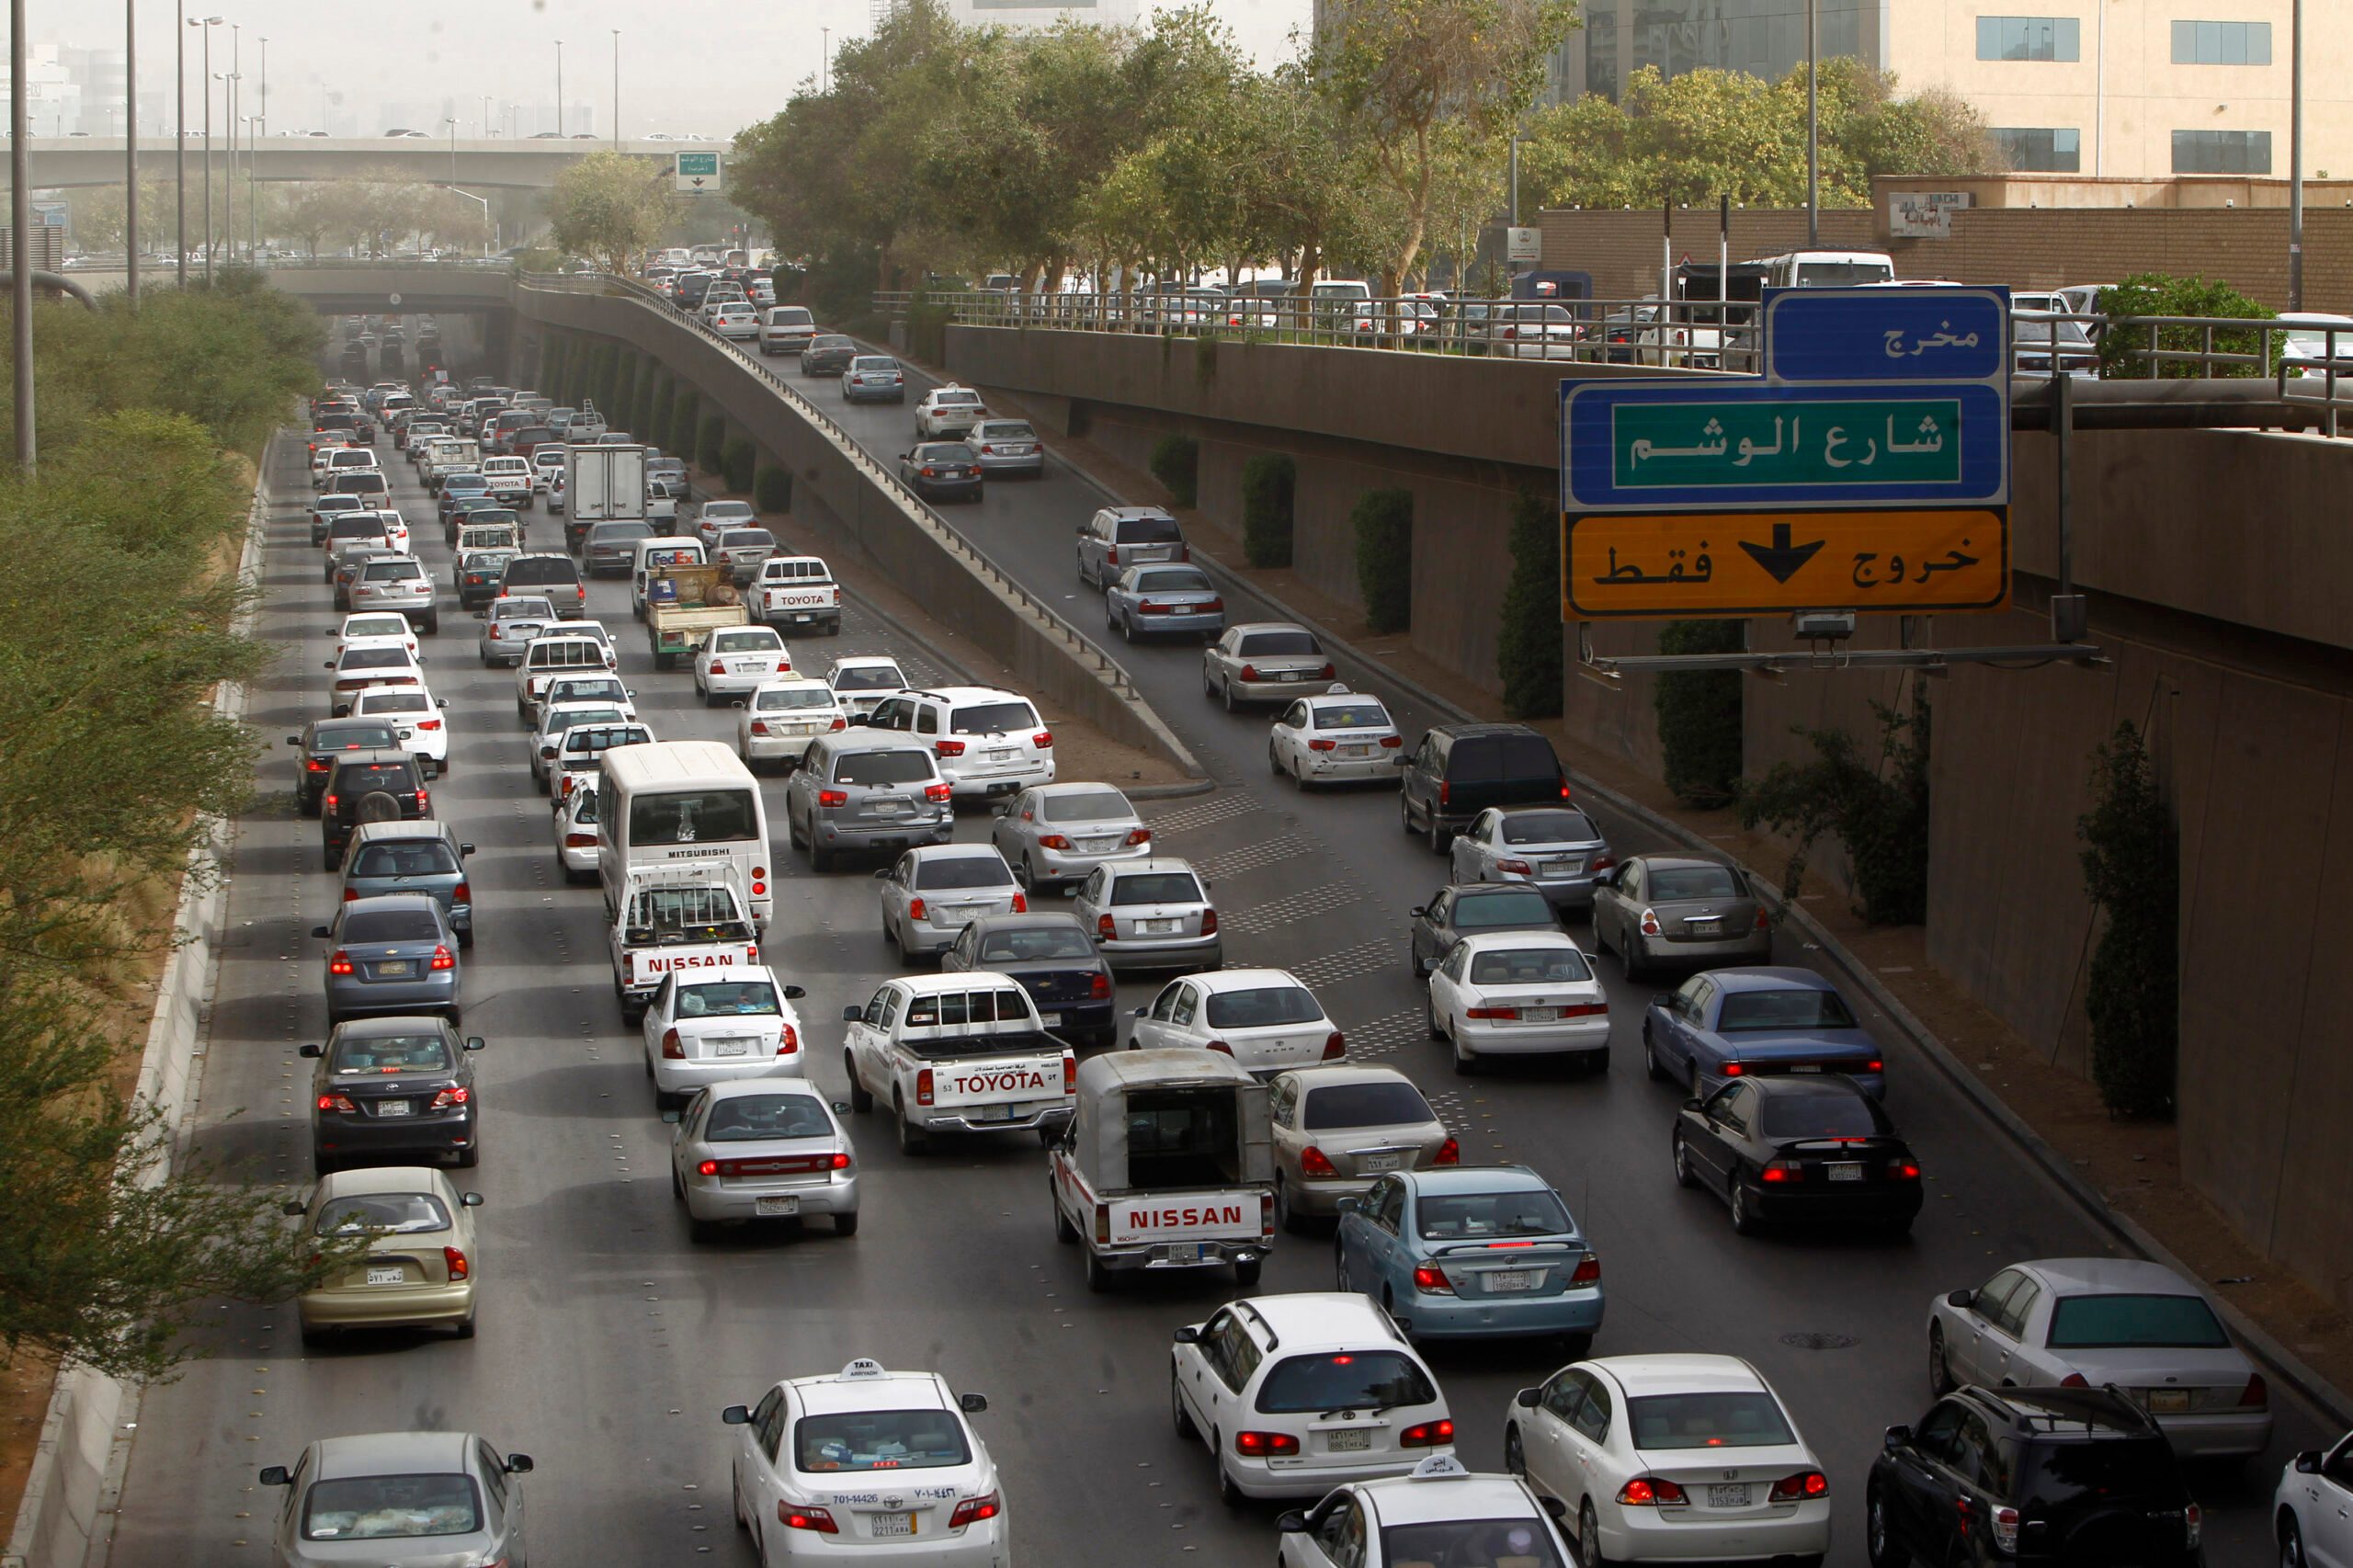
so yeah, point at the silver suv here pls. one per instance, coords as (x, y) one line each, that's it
(861, 790)
(1120, 537)
(397, 583)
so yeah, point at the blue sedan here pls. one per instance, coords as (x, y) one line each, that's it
(1471, 1253)
(1164, 601)
(1735, 1023)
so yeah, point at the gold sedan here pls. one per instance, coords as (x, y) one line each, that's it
(419, 1266)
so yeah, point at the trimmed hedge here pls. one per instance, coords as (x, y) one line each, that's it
(772, 489)
(1383, 521)
(1176, 463)
(710, 443)
(1698, 715)
(1268, 482)
(1528, 644)
(2131, 862)
(681, 434)
(738, 460)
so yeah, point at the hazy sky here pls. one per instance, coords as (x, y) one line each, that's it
(686, 65)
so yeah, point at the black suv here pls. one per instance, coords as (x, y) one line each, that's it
(1459, 770)
(2080, 1477)
(325, 740)
(358, 775)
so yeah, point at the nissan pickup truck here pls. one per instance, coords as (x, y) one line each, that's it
(957, 1053)
(679, 920)
(797, 590)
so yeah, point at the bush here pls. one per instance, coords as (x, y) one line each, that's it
(1879, 811)
(680, 437)
(710, 443)
(1528, 644)
(927, 330)
(2133, 870)
(1268, 481)
(2158, 294)
(1699, 714)
(1176, 463)
(772, 489)
(1384, 528)
(738, 460)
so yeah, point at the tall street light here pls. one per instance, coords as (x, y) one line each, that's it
(1813, 125)
(180, 143)
(228, 99)
(617, 90)
(20, 210)
(2296, 159)
(206, 27)
(825, 60)
(559, 86)
(130, 149)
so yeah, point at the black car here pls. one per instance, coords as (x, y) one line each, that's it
(1799, 1148)
(1051, 954)
(325, 740)
(1469, 909)
(359, 774)
(828, 354)
(2045, 1476)
(1459, 770)
(398, 1087)
(606, 548)
(937, 469)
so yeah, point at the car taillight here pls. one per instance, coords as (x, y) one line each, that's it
(1220, 1047)
(1102, 1224)
(1427, 1433)
(1052, 841)
(948, 748)
(2193, 1523)
(428, 724)
(1650, 923)
(2005, 1519)
(1875, 1067)
(1903, 1170)
(1814, 1483)
(455, 1261)
(1111, 556)
(2074, 1380)
(839, 722)
(423, 800)
(443, 958)
(1098, 985)
(1448, 1154)
(672, 1048)
(337, 1102)
(330, 802)
(1323, 746)
(1327, 673)
(716, 668)
(1732, 1070)
(1778, 1172)
(1249, 672)
(349, 894)
(938, 791)
(456, 1095)
(1336, 1046)
(1588, 1270)
(462, 893)
(1258, 1445)
(315, 765)
(1106, 929)
(1445, 792)
(340, 963)
(915, 907)
(1491, 1012)
(1315, 1163)
(1208, 922)
(833, 797)
(793, 1517)
(1043, 739)
(923, 1087)
(493, 634)
(1584, 1009)
(972, 1510)
(1139, 835)
(1651, 1491)
(2255, 1395)
(1564, 788)
(1432, 1279)
(1070, 1072)
(1020, 903)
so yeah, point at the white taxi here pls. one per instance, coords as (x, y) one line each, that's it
(1441, 1513)
(739, 660)
(863, 680)
(881, 1463)
(417, 718)
(777, 723)
(374, 628)
(1264, 1018)
(1342, 735)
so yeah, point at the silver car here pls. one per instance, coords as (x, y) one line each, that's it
(508, 624)
(398, 583)
(762, 1149)
(1120, 537)
(392, 1499)
(1007, 445)
(1151, 914)
(866, 789)
(1676, 909)
(1339, 1129)
(1057, 832)
(717, 516)
(1164, 601)
(393, 953)
(1558, 849)
(1265, 661)
(931, 893)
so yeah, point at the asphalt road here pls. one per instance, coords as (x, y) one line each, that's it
(609, 1344)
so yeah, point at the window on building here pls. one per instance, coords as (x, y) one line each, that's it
(2222, 152)
(1601, 52)
(2222, 43)
(2039, 149)
(2030, 37)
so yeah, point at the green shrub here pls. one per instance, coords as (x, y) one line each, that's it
(772, 488)
(1384, 529)
(1268, 482)
(1528, 644)
(1699, 714)
(738, 460)
(1176, 463)
(2158, 294)
(1878, 810)
(681, 434)
(2131, 861)
(710, 443)
(927, 329)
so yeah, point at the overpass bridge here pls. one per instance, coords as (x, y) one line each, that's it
(62, 161)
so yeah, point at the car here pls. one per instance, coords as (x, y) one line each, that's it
(421, 856)
(396, 583)
(1264, 661)
(362, 668)
(350, 533)
(396, 530)
(2043, 346)
(354, 778)
(940, 470)
(874, 378)
(1456, 912)
(865, 790)
(827, 354)
(392, 953)
(347, 556)
(555, 575)
(932, 892)
(416, 716)
(2102, 1322)
(989, 741)
(1558, 850)
(742, 552)
(1339, 737)
(1659, 909)
(704, 1029)
(1439, 1512)
(579, 752)
(716, 518)
(562, 651)
(2312, 339)
(1007, 445)
(1670, 1456)
(736, 320)
(608, 549)
(2057, 1476)
(1264, 1018)
(547, 461)
(761, 1148)
(1164, 601)
(1054, 835)
(946, 413)
(510, 622)
(737, 660)
(1151, 914)
(322, 742)
(373, 627)
(1295, 1394)
(441, 1493)
(1465, 1251)
(1048, 953)
(1456, 771)
(778, 721)
(476, 573)
(575, 833)
(464, 485)
(2312, 1505)
(1117, 538)
(326, 509)
(866, 1455)
(557, 719)
(786, 329)
(1736, 1023)
(393, 1085)
(1519, 993)
(1336, 1129)
(1809, 1149)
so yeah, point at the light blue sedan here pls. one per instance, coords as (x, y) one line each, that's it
(1164, 601)
(1471, 1253)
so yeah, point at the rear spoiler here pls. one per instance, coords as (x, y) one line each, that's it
(1533, 1245)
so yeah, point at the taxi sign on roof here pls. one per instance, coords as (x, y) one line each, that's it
(864, 1367)
(1441, 1467)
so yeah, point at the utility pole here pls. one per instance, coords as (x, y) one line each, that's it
(130, 149)
(206, 28)
(1813, 124)
(20, 214)
(179, 141)
(2296, 160)
(617, 90)
(825, 60)
(559, 86)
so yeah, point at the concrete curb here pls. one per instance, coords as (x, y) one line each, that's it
(76, 1475)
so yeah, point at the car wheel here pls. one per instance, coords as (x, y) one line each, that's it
(1635, 958)
(1246, 1274)
(1227, 694)
(1429, 1012)
(1515, 1454)
(1284, 1215)
(1649, 1057)
(890, 933)
(1064, 1232)
(913, 1139)
(1127, 629)
(1178, 1414)
(1885, 1552)
(466, 1327)
(1589, 1540)
(1405, 812)
(1227, 1491)
(432, 625)
(1099, 1278)
(317, 1339)
(1439, 838)
(702, 1230)
(861, 1098)
(846, 1224)
(1274, 763)
(1683, 1176)
(1340, 1267)
(470, 1156)
(792, 832)
(332, 859)
(1941, 1379)
(820, 857)
(1027, 874)
(1744, 1219)
(1466, 1061)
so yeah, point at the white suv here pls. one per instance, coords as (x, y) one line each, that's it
(989, 741)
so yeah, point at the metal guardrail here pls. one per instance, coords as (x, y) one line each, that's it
(950, 536)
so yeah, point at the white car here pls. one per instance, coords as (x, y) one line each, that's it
(777, 723)
(417, 717)
(1440, 1513)
(738, 661)
(548, 733)
(1342, 735)
(864, 1457)
(716, 518)
(395, 529)
(575, 834)
(1670, 1456)
(1294, 1395)
(1519, 993)
(947, 414)
(862, 680)
(988, 741)
(585, 686)
(547, 466)
(373, 627)
(1265, 1018)
(708, 1028)
(736, 319)
(2313, 1506)
(931, 892)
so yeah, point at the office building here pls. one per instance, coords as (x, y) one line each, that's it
(1028, 16)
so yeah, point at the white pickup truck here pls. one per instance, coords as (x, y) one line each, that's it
(677, 920)
(958, 1053)
(797, 590)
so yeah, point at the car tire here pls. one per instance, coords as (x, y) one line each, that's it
(470, 1156)
(820, 857)
(1576, 1346)
(792, 832)
(1466, 1061)
(1682, 1158)
(332, 859)
(317, 1338)
(1589, 1540)
(1441, 840)
(1285, 1217)
(1515, 1452)
(1227, 696)
(433, 625)
(1178, 1416)
(1246, 1274)
(1127, 629)
(913, 1139)
(1649, 1058)
(1227, 1491)
(1699, 1084)
(701, 1231)
(1405, 813)
(846, 1224)
(861, 1098)
(890, 933)
(1429, 1012)
(1941, 1378)
(1879, 1535)
(1743, 1221)
(1208, 687)
(1099, 1278)
(466, 1327)
(1631, 954)
(1064, 1232)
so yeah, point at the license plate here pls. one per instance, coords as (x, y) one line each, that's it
(1000, 756)
(892, 1524)
(733, 1047)
(1097, 846)
(1184, 1252)
(1562, 867)
(394, 968)
(1354, 1440)
(890, 808)
(1156, 927)
(1539, 1014)
(1290, 674)
(2168, 1402)
(1371, 1163)
(1805, 1067)
(775, 1206)
(1355, 750)
(386, 1275)
(1728, 1496)
(1053, 1020)
(1512, 1280)
(1846, 1171)
(395, 1107)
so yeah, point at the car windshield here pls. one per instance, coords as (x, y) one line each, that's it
(1549, 827)
(1263, 644)
(405, 857)
(1491, 911)
(992, 717)
(1478, 1216)
(1092, 805)
(792, 697)
(1848, 1114)
(2114, 1322)
(906, 766)
(1842, 274)
(1669, 883)
(1792, 1008)
(1722, 1420)
(1378, 1104)
(380, 1213)
(1148, 530)
(1343, 1380)
(694, 816)
(962, 872)
(880, 1440)
(1157, 887)
(1350, 716)
(391, 1508)
(390, 925)
(1031, 944)
(1471, 1543)
(869, 677)
(1263, 1006)
(1528, 966)
(391, 1053)
(1177, 580)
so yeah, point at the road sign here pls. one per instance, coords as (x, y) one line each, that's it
(1887, 335)
(51, 214)
(1652, 446)
(1742, 563)
(1523, 244)
(698, 172)
(396, 301)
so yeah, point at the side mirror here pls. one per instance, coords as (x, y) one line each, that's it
(328, 664)
(1293, 1522)
(465, 848)
(519, 1464)
(481, 615)
(737, 703)
(292, 1208)
(274, 1475)
(1960, 1298)
(1139, 1012)
(311, 1050)
(852, 1014)
(1692, 1103)
(1895, 1437)
(841, 1107)
(1080, 530)
(2308, 1462)
(547, 751)
(1188, 1335)
(1528, 1399)
(672, 1118)
(1069, 891)
(1418, 911)
(1402, 760)
(971, 1403)
(1558, 1509)
(470, 1199)
(320, 932)
(631, 695)
(1346, 1205)
(475, 1042)
(736, 1416)
(883, 875)
(441, 702)
(794, 993)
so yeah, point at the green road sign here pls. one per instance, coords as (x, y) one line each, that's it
(705, 163)
(1820, 445)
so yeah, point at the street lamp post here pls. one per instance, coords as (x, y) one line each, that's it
(485, 117)
(617, 90)
(228, 94)
(2296, 159)
(179, 144)
(559, 86)
(1813, 125)
(20, 214)
(825, 60)
(206, 27)
(484, 201)
(130, 149)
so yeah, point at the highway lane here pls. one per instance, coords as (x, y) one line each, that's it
(608, 1343)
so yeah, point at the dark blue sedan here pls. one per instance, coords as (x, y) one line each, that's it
(1734, 1023)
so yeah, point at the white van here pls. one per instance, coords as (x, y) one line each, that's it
(668, 551)
(1827, 268)
(678, 804)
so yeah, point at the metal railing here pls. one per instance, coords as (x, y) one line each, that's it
(950, 536)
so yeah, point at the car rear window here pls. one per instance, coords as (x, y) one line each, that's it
(351, 737)
(1736, 1419)
(394, 1213)
(1336, 1106)
(1177, 580)
(907, 766)
(1549, 827)
(356, 525)
(587, 740)
(758, 639)
(1147, 530)
(1692, 881)
(391, 1508)
(360, 626)
(962, 872)
(543, 569)
(390, 925)
(728, 998)
(409, 701)
(869, 677)
(1477, 758)
(1478, 1216)
(992, 717)
(1529, 966)
(407, 857)
(2112, 1323)
(880, 1440)
(1849, 1115)
(952, 1009)
(1350, 716)
(1265, 644)
(1487, 911)
(366, 481)
(747, 538)
(1344, 1380)
(1263, 1006)
(873, 362)
(1031, 944)
(392, 571)
(1157, 887)
(1093, 805)
(788, 697)
(1793, 1008)
(2106, 1471)
(425, 1052)
(693, 816)
(758, 1118)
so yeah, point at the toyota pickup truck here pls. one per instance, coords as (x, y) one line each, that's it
(679, 920)
(957, 1053)
(445, 455)
(797, 590)
(684, 604)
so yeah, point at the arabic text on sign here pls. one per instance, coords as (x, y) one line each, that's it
(1666, 446)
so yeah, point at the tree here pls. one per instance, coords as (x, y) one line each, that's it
(609, 207)
(1530, 642)
(2131, 861)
